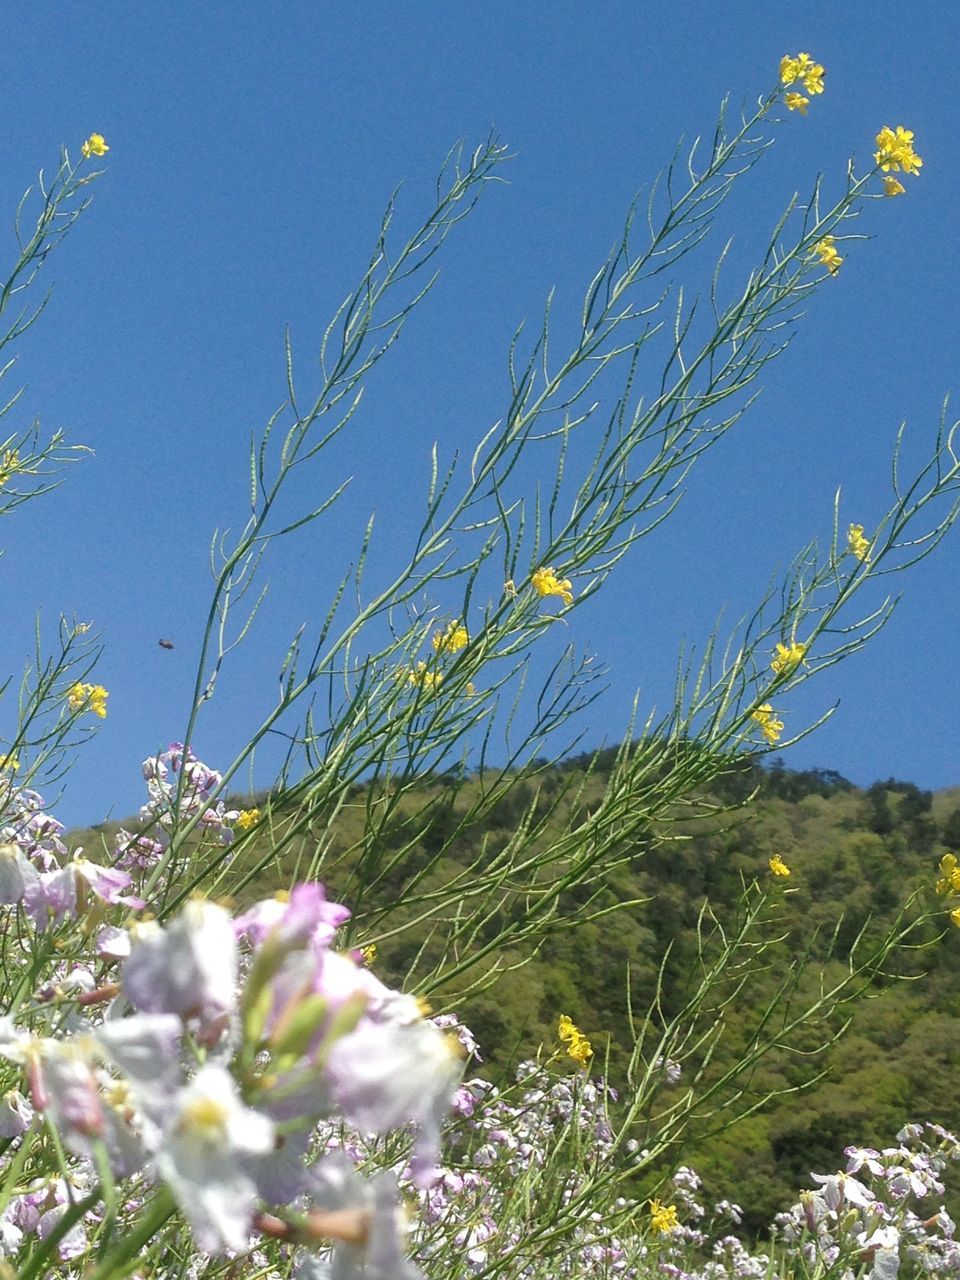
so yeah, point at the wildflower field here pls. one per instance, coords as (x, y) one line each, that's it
(235, 1036)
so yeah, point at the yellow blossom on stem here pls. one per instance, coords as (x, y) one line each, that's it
(95, 145)
(9, 465)
(663, 1217)
(803, 68)
(857, 544)
(421, 677)
(576, 1044)
(893, 186)
(247, 818)
(546, 583)
(10, 761)
(778, 866)
(788, 657)
(452, 639)
(955, 916)
(88, 697)
(826, 251)
(369, 953)
(895, 151)
(770, 725)
(949, 881)
(796, 102)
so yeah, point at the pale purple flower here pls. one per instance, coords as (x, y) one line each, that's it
(305, 916)
(16, 1114)
(383, 1076)
(838, 1189)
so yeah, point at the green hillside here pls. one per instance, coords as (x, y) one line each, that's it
(855, 856)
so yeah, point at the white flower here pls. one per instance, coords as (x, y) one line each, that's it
(209, 1132)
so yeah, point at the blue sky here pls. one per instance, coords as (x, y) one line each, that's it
(252, 150)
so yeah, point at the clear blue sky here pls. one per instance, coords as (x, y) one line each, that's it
(252, 149)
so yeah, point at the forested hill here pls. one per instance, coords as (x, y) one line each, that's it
(855, 855)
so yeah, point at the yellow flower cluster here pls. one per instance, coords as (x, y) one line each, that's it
(88, 697)
(369, 954)
(577, 1045)
(826, 251)
(895, 151)
(546, 583)
(9, 465)
(421, 677)
(778, 866)
(770, 725)
(452, 639)
(788, 657)
(663, 1217)
(857, 544)
(95, 145)
(949, 882)
(803, 70)
(247, 818)
(10, 761)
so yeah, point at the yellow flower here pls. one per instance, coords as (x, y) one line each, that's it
(892, 186)
(9, 465)
(663, 1217)
(577, 1045)
(896, 150)
(369, 953)
(788, 657)
(778, 866)
(88, 697)
(955, 916)
(802, 67)
(796, 102)
(452, 640)
(421, 677)
(95, 145)
(826, 251)
(949, 881)
(857, 544)
(10, 761)
(546, 583)
(247, 818)
(470, 689)
(770, 726)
